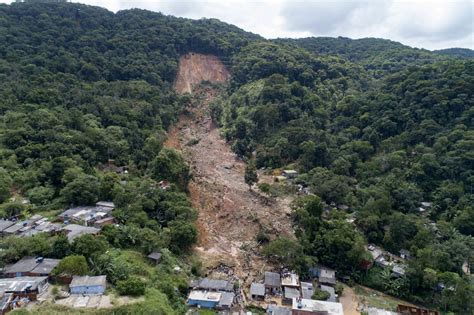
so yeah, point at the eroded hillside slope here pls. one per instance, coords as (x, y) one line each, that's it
(230, 216)
(195, 68)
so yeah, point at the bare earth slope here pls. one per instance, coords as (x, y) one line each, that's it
(230, 215)
(195, 68)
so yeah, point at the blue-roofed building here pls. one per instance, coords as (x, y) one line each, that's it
(204, 299)
(88, 285)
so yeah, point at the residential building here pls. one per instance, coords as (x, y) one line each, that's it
(6, 300)
(204, 299)
(290, 280)
(313, 307)
(31, 266)
(207, 284)
(88, 285)
(257, 291)
(29, 287)
(226, 301)
(272, 282)
(290, 293)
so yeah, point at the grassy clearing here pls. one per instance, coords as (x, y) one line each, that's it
(377, 299)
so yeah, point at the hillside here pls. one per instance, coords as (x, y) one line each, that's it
(379, 133)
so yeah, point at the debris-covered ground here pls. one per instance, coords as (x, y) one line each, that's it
(230, 215)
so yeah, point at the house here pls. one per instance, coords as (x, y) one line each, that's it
(331, 291)
(289, 294)
(289, 173)
(13, 229)
(325, 275)
(164, 185)
(31, 266)
(257, 291)
(314, 307)
(273, 309)
(87, 214)
(226, 301)
(290, 280)
(307, 290)
(382, 261)
(204, 299)
(29, 287)
(6, 300)
(272, 282)
(88, 285)
(155, 257)
(74, 230)
(213, 285)
(412, 310)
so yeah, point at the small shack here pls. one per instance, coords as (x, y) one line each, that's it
(257, 291)
(272, 282)
(88, 285)
(155, 257)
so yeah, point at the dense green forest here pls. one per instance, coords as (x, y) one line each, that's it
(375, 126)
(80, 87)
(370, 124)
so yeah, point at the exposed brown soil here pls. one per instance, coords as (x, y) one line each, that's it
(196, 68)
(230, 215)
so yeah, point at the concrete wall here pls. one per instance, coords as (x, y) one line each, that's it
(203, 304)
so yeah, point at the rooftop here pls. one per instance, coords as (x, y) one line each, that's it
(155, 256)
(4, 224)
(227, 299)
(78, 281)
(257, 289)
(290, 280)
(75, 230)
(20, 284)
(32, 264)
(215, 285)
(199, 295)
(272, 279)
(331, 308)
(292, 293)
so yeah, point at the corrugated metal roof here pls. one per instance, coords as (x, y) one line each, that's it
(272, 279)
(257, 289)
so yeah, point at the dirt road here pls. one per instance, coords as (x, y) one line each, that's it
(230, 216)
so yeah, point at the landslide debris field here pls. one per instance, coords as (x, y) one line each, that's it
(230, 216)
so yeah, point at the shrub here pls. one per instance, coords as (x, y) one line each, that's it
(133, 286)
